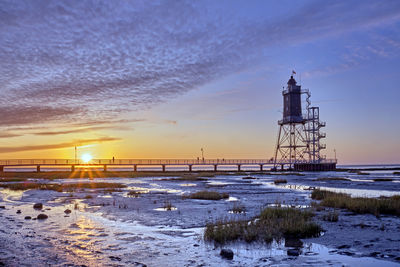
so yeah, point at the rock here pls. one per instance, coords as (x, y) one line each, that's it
(139, 264)
(293, 252)
(343, 246)
(67, 211)
(226, 253)
(18, 211)
(115, 258)
(42, 216)
(3, 207)
(196, 245)
(374, 254)
(293, 242)
(38, 206)
(28, 217)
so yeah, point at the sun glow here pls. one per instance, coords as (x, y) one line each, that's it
(86, 158)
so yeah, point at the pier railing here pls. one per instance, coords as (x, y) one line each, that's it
(25, 162)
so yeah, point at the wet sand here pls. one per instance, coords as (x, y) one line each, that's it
(113, 229)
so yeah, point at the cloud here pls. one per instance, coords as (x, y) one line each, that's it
(80, 142)
(8, 135)
(82, 130)
(97, 63)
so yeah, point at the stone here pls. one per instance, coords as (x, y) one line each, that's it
(139, 264)
(226, 253)
(3, 207)
(28, 217)
(38, 206)
(115, 258)
(18, 211)
(42, 216)
(293, 252)
(67, 211)
(293, 242)
(343, 246)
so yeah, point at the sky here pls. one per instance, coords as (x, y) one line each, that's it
(163, 79)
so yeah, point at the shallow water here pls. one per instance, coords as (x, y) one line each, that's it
(115, 229)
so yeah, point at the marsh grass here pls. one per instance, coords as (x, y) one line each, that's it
(133, 193)
(332, 179)
(284, 173)
(60, 187)
(12, 179)
(332, 216)
(272, 223)
(382, 179)
(248, 178)
(168, 205)
(238, 208)
(280, 181)
(207, 195)
(361, 205)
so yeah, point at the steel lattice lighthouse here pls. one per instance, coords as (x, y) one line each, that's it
(299, 139)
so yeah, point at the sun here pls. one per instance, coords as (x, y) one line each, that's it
(86, 158)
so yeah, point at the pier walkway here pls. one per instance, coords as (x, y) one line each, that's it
(135, 163)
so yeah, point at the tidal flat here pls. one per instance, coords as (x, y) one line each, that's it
(149, 220)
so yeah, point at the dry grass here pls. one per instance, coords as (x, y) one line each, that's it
(207, 195)
(280, 181)
(361, 205)
(272, 223)
(60, 187)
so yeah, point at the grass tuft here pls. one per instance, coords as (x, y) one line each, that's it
(238, 208)
(133, 193)
(332, 216)
(280, 181)
(272, 223)
(208, 195)
(167, 205)
(361, 205)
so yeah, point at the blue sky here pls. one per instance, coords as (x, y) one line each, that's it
(163, 79)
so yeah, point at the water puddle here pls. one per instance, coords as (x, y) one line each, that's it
(187, 185)
(166, 209)
(351, 191)
(232, 199)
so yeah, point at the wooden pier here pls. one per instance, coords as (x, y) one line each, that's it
(262, 164)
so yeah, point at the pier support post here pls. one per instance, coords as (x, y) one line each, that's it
(261, 167)
(239, 167)
(135, 168)
(282, 168)
(38, 168)
(190, 168)
(105, 168)
(163, 168)
(215, 167)
(1, 168)
(72, 168)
